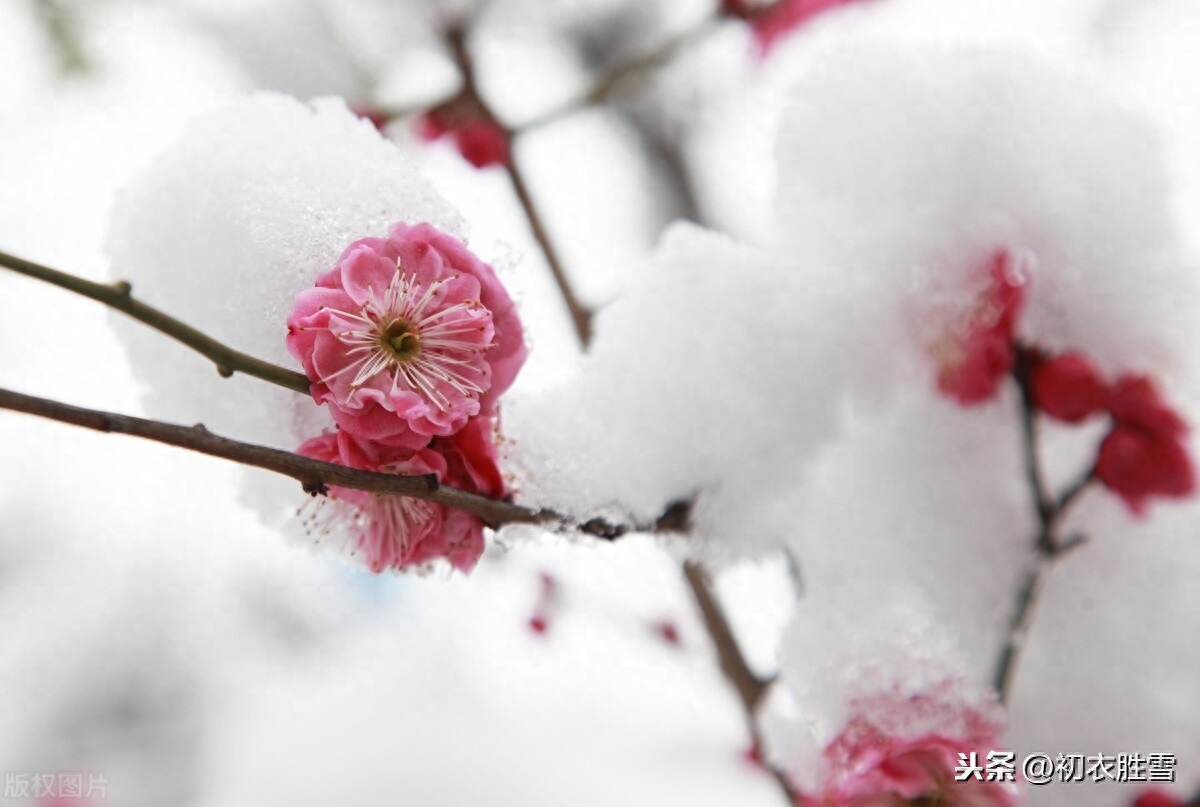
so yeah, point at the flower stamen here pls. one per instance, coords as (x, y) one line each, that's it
(391, 333)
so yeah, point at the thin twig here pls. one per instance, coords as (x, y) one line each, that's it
(1073, 491)
(1018, 632)
(317, 477)
(1049, 545)
(119, 295)
(1042, 502)
(61, 25)
(581, 315)
(607, 84)
(749, 687)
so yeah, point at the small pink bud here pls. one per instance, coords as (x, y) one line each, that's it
(1144, 455)
(668, 631)
(481, 142)
(1068, 388)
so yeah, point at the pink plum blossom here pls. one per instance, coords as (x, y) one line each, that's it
(479, 140)
(977, 352)
(887, 756)
(407, 337)
(399, 532)
(1068, 387)
(1144, 455)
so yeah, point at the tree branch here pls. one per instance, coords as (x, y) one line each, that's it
(581, 315)
(1028, 598)
(317, 477)
(1049, 545)
(119, 295)
(61, 25)
(610, 81)
(749, 687)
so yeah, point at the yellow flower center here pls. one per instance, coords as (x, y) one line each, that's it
(401, 340)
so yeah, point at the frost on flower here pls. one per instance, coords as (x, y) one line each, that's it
(876, 762)
(901, 171)
(977, 351)
(884, 706)
(399, 532)
(407, 337)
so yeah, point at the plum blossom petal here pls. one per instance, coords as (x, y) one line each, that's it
(399, 532)
(976, 353)
(875, 763)
(1144, 454)
(407, 337)
(480, 141)
(1068, 387)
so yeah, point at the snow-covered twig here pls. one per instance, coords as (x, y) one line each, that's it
(119, 295)
(316, 476)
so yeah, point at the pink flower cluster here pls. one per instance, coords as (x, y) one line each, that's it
(1143, 454)
(874, 762)
(409, 340)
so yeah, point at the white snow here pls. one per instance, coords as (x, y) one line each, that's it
(696, 385)
(230, 224)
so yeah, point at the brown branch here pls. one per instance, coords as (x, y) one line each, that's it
(749, 687)
(1049, 545)
(581, 315)
(119, 295)
(676, 517)
(317, 477)
(1028, 598)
